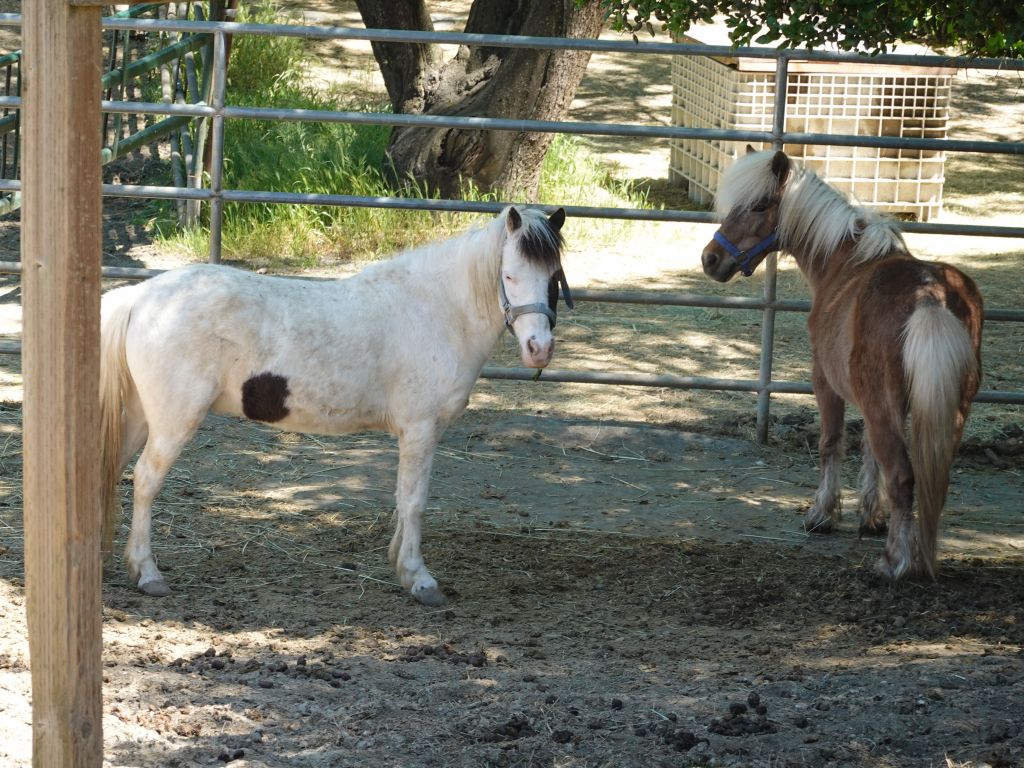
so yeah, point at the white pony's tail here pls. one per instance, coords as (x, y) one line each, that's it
(115, 385)
(938, 358)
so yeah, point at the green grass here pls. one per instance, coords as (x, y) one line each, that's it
(342, 159)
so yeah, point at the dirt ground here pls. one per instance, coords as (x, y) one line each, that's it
(620, 595)
(628, 579)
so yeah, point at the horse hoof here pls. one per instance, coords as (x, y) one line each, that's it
(818, 526)
(155, 588)
(432, 597)
(893, 571)
(873, 529)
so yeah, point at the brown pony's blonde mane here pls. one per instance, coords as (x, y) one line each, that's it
(814, 218)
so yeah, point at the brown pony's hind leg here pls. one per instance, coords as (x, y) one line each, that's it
(872, 514)
(827, 507)
(890, 451)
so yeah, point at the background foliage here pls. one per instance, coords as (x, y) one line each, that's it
(343, 159)
(973, 27)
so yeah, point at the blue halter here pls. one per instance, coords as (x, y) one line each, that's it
(743, 258)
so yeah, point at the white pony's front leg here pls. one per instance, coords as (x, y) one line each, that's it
(416, 448)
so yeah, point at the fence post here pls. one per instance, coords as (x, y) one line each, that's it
(771, 265)
(60, 254)
(200, 89)
(220, 76)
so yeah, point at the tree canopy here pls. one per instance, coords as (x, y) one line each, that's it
(972, 27)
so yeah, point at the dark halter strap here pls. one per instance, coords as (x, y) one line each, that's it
(511, 313)
(743, 258)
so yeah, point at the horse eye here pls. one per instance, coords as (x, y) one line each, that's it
(760, 207)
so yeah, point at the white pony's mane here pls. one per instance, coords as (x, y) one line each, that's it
(814, 218)
(477, 252)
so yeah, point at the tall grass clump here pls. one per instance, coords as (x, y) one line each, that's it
(343, 159)
(265, 65)
(303, 157)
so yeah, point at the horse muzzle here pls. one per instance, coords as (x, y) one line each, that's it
(718, 265)
(537, 353)
(722, 258)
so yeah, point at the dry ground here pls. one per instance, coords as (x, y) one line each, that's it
(629, 582)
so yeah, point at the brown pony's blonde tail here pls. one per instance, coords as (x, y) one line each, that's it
(938, 359)
(115, 384)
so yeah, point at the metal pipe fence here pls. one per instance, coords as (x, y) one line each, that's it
(217, 111)
(174, 60)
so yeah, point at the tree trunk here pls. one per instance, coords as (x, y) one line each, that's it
(480, 82)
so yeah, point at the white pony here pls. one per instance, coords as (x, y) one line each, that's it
(397, 347)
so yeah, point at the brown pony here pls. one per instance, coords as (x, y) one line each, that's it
(896, 336)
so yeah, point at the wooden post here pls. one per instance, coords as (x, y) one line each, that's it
(60, 254)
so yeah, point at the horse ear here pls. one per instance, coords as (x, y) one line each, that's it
(750, 149)
(780, 166)
(514, 220)
(557, 219)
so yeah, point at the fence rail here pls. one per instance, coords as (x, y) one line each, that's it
(182, 85)
(216, 111)
(668, 381)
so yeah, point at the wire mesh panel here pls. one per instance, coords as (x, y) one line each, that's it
(736, 93)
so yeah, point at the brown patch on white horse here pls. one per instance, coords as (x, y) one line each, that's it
(264, 396)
